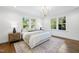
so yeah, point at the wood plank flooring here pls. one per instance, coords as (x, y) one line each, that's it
(7, 48)
(73, 46)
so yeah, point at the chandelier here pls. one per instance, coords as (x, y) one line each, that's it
(45, 10)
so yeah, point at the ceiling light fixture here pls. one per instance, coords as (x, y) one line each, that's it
(45, 10)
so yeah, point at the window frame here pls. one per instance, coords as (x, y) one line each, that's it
(57, 23)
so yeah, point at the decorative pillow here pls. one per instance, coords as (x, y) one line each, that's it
(24, 30)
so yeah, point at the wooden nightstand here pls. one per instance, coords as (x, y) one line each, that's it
(13, 37)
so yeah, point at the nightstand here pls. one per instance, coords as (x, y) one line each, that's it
(12, 37)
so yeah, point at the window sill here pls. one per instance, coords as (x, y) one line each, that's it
(59, 30)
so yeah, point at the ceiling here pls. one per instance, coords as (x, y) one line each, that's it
(37, 12)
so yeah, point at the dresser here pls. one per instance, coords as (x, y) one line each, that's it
(12, 37)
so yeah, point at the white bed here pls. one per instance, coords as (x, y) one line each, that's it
(35, 38)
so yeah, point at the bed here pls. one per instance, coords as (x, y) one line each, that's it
(35, 38)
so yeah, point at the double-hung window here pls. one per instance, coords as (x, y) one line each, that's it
(58, 23)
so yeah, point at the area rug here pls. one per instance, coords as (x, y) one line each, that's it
(51, 46)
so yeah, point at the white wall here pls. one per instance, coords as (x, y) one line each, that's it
(72, 31)
(46, 23)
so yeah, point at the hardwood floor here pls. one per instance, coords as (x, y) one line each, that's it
(72, 46)
(7, 48)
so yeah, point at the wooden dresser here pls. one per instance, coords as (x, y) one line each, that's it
(12, 37)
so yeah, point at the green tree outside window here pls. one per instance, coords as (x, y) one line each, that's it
(53, 23)
(62, 23)
(25, 23)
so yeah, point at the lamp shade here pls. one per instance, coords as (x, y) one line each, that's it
(13, 25)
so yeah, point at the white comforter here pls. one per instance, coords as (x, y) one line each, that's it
(35, 38)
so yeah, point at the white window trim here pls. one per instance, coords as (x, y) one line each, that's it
(57, 27)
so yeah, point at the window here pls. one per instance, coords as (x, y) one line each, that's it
(62, 23)
(59, 23)
(53, 23)
(33, 23)
(25, 23)
(28, 24)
